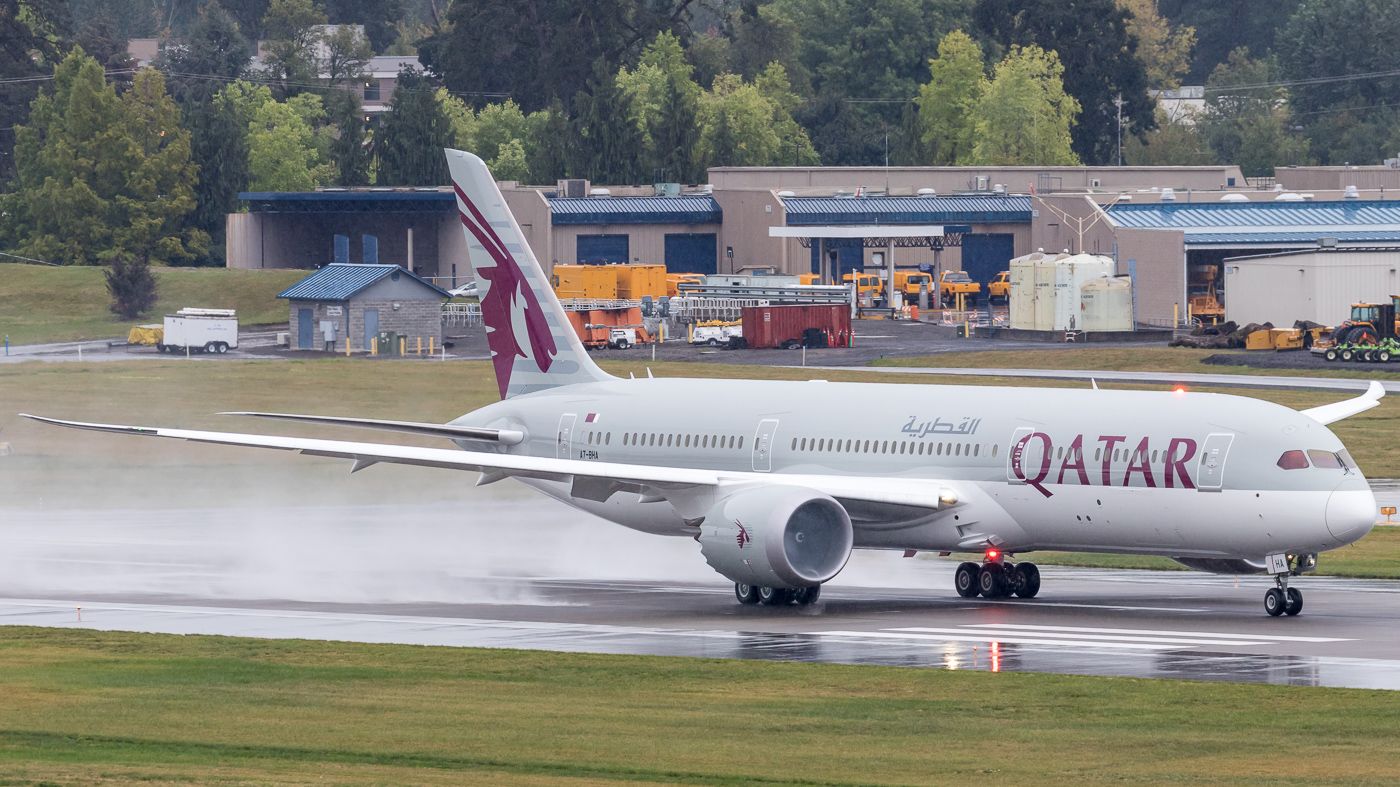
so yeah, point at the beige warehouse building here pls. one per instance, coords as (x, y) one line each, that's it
(1318, 285)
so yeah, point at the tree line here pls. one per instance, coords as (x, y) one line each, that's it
(620, 91)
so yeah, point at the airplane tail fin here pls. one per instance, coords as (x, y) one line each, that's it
(533, 347)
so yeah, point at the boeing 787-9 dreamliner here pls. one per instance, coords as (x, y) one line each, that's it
(778, 481)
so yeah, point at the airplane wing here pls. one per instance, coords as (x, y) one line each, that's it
(591, 480)
(1330, 413)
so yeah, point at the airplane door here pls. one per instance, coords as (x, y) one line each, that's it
(1023, 456)
(564, 445)
(1211, 476)
(763, 445)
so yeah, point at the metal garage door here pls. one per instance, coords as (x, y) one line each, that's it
(850, 255)
(691, 252)
(598, 249)
(984, 256)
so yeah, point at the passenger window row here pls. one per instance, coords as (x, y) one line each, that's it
(906, 447)
(662, 440)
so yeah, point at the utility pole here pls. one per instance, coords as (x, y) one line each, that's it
(1118, 102)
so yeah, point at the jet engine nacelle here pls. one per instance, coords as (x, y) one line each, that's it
(777, 536)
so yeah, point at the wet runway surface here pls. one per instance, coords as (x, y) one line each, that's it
(501, 567)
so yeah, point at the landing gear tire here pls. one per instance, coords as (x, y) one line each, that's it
(1274, 602)
(991, 582)
(1029, 584)
(773, 597)
(747, 594)
(965, 580)
(1293, 602)
(807, 596)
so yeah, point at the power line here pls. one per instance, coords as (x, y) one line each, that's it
(1326, 80)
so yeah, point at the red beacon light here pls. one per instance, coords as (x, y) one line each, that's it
(1179, 391)
(993, 554)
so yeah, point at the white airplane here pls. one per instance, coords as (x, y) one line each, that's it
(779, 481)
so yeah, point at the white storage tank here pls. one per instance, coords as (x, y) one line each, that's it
(1108, 304)
(1071, 273)
(1021, 309)
(1043, 292)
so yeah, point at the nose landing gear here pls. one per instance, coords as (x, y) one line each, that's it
(1282, 599)
(995, 578)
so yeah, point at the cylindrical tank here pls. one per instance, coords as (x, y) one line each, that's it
(1071, 273)
(1107, 304)
(1021, 310)
(1044, 292)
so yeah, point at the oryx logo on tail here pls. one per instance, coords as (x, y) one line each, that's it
(509, 304)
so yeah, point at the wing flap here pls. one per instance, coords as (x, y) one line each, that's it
(452, 431)
(1331, 413)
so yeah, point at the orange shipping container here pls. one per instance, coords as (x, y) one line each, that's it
(584, 281)
(777, 326)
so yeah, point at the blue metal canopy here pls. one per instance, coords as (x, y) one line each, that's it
(963, 209)
(373, 201)
(1267, 222)
(689, 209)
(341, 281)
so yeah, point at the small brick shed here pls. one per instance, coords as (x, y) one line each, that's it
(360, 301)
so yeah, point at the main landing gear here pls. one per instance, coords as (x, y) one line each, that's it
(776, 597)
(1282, 599)
(995, 578)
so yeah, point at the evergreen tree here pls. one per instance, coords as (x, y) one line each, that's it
(214, 47)
(150, 222)
(415, 131)
(100, 177)
(607, 140)
(132, 287)
(349, 148)
(33, 37)
(547, 152)
(676, 134)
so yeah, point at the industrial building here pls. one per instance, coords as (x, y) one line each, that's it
(785, 219)
(1318, 285)
(1170, 229)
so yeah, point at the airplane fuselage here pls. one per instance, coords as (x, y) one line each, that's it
(1172, 473)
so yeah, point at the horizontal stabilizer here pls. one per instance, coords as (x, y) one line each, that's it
(503, 436)
(1331, 413)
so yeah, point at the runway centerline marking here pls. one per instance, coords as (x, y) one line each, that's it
(998, 634)
(1065, 630)
(1012, 640)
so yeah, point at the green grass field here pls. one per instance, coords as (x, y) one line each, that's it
(1108, 357)
(87, 707)
(44, 304)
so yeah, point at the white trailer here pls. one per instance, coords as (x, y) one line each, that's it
(200, 330)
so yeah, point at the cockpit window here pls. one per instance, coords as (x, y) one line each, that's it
(1294, 460)
(1347, 462)
(1324, 459)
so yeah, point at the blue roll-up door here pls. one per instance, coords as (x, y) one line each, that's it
(986, 255)
(692, 252)
(599, 249)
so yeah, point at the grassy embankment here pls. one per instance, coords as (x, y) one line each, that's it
(1132, 359)
(43, 304)
(52, 467)
(86, 707)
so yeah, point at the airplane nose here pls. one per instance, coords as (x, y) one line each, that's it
(1351, 513)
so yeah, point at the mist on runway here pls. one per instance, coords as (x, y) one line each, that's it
(411, 546)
